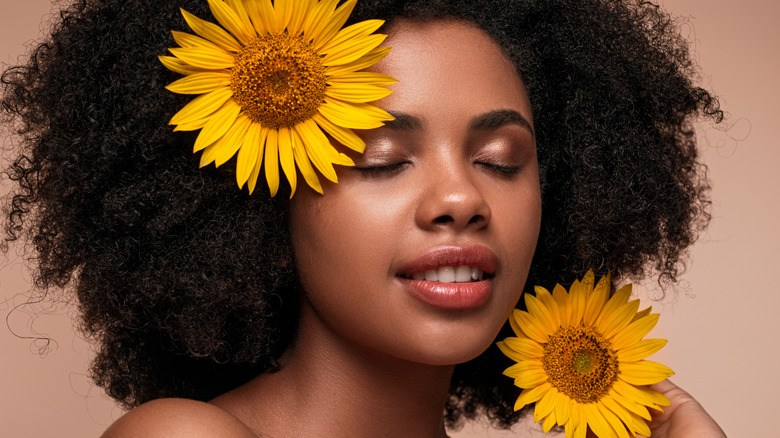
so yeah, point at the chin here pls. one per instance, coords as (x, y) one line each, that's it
(452, 347)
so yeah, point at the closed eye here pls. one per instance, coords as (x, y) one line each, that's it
(379, 170)
(500, 168)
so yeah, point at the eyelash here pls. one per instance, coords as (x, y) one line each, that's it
(389, 168)
(504, 170)
(383, 169)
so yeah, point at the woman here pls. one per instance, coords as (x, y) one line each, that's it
(218, 313)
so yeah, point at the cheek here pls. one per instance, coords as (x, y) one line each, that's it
(342, 243)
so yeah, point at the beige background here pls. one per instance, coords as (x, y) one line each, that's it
(722, 325)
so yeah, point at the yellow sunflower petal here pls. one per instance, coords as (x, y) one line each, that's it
(286, 158)
(316, 19)
(328, 27)
(218, 124)
(531, 395)
(571, 425)
(353, 115)
(316, 148)
(510, 353)
(580, 426)
(185, 39)
(532, 328)
(620, 411)
(202, 106)
(640, 426)
(547, 300)
(644, 372)
(548, 423)
(642, 313)
(619, 299)
(349, 34)
(641, 350)
(299, 14)
(226, 147)
(629, 405)
(243, 16)
(272, 161)
(658, 398)
(564, 304)
(207, 156)
(515, 324)
(211, 32)
(596, 300)
(613, 420)
(192, 126)
(228, 18)
(540, 312)
(263, 17)
(365, 61)
(630, 396)
(352, 50)
(199, 83)
(619, 320)
(525, 347)
(252, 182)
(545, 405)
(562, 409)
(344, 136)
(283, 9)
(578, 300)
(531, 378)
(204, 57)
(522, 367)
(358, 93)
(588, 281)
(634, 332)
(179, 66)
(248, 153)
(597, 422)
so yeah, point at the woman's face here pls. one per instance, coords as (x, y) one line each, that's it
(449, 191)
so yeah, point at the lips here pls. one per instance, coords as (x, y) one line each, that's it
(451, 277)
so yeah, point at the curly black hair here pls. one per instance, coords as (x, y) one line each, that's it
(188, 285)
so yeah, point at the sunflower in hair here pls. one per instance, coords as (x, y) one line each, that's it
(274, 81)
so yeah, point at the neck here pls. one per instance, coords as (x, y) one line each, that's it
(330, 388)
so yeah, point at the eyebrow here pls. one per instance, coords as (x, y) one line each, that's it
(488, 121)
(404, 122)
(498, 118)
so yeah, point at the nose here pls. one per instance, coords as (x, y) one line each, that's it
(452, 200)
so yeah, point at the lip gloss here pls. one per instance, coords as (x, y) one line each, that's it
(450, 295)
(464, 295)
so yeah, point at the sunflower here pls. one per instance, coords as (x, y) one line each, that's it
(272, 81)
(580, 359)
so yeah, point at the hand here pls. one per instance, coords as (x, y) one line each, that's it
(684, 418)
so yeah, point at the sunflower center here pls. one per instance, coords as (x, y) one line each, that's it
(278, 80)
(580, 363)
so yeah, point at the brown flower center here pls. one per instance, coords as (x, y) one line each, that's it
(580, 363)
(278, 80)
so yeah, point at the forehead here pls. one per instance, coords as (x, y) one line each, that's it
(446, 63)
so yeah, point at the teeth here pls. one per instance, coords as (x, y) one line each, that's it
(451, 274)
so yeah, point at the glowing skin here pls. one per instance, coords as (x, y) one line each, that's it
(453, 181)
(449, 190)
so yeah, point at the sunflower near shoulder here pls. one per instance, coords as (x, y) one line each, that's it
(273, 79)
(581, 359)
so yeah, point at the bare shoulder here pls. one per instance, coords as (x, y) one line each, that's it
(177, 417)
